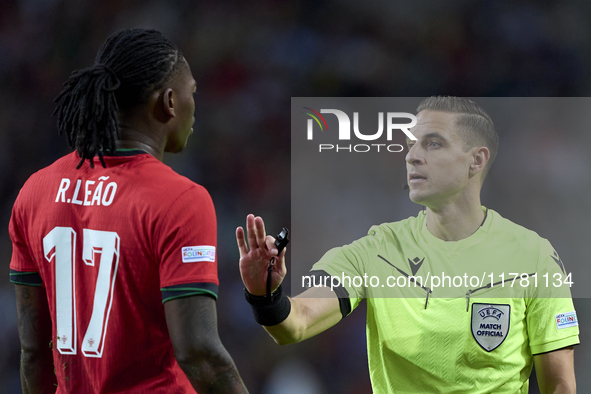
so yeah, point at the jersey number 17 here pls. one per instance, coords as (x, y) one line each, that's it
(99, 247)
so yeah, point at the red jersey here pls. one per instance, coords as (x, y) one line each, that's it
(110, 246)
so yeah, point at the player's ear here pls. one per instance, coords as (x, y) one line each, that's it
(479, 159)
(169, 102)
(161, 103)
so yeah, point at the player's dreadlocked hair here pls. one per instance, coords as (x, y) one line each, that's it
(129, 66)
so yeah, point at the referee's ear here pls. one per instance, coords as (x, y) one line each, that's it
(479, 159)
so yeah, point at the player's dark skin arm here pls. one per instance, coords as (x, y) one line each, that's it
(34, 330)
(192, 325)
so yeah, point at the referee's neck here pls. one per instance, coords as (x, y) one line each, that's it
(456, 221)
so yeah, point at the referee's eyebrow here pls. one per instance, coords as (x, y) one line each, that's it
(427, 136)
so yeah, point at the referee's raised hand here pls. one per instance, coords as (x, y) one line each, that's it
(255, 257)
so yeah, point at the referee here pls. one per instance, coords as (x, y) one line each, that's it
(435, 334)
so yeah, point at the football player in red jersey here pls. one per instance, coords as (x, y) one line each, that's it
(114, 254)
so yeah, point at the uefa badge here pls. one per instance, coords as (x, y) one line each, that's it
(490, 324)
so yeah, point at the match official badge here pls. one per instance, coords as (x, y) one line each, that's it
(194, 254)
(490, 324)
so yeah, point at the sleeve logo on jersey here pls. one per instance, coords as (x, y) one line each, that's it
(490, 324)
(564, 320)
(194, 254)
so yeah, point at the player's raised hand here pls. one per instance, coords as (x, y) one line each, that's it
(255, 257)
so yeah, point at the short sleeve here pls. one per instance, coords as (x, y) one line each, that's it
(186, 241)
(23, 269)
(552, 321)
(346, 263)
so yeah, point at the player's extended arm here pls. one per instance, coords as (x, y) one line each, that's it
(34, 331)
(192, 325)
(556, 371)
(312, 312)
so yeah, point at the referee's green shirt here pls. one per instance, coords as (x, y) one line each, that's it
(469, 334)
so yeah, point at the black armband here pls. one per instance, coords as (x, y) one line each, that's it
(269, 311)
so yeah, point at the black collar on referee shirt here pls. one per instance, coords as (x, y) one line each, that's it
(485, 215)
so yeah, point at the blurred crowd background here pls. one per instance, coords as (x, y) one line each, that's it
(249, 59)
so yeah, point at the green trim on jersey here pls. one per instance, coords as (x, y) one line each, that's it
(25, 283)
(23, 273)
(26, 278)
(475, 337)
(192, 293)
(123, 152)
(186, 292)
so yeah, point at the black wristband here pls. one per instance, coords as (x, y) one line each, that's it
(269, 311)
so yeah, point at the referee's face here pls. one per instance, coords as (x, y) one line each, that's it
(437, 165)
